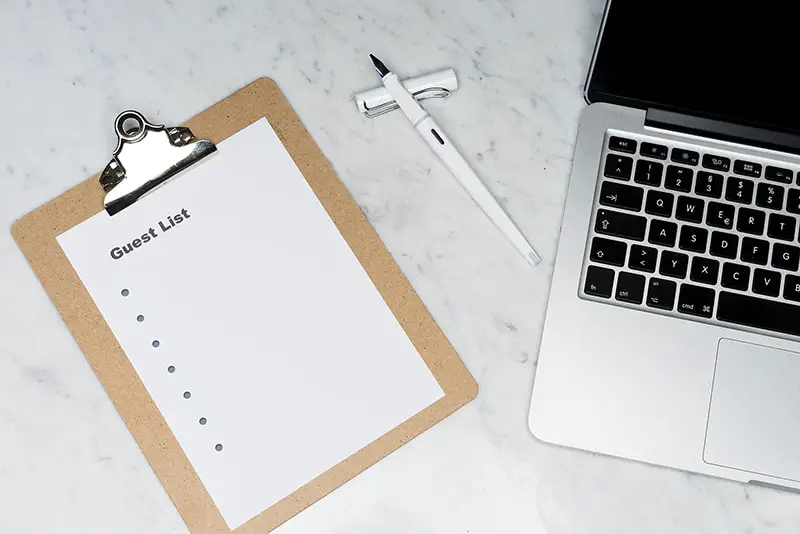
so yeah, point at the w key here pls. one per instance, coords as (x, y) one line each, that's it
(617, 224)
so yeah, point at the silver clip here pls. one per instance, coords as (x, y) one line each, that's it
(147, 155)
(422, 94)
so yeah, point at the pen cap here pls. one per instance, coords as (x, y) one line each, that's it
(378, 101)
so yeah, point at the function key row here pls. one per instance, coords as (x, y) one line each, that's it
(710, 161)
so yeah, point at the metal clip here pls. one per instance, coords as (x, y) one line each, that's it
(147, 155)
(376, 102)
(432, 92)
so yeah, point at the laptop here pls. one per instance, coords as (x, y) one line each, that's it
(672, 334)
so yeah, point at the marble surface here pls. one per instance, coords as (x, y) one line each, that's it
(68, 463)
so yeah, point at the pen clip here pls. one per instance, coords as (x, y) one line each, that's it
(422, 94)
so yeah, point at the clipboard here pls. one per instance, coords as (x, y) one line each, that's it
(36, 234)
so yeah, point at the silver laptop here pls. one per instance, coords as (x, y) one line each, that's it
(673, 327)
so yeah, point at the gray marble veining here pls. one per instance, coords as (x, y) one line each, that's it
(67, 68)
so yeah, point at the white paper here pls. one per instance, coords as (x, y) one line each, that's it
(288, 350)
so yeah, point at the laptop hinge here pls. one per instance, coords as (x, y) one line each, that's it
(723, 131)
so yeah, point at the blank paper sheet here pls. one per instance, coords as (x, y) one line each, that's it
(259, 336)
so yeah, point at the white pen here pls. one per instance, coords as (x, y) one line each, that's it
(447, 152)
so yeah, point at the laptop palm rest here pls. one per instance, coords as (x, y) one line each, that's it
(753, 422)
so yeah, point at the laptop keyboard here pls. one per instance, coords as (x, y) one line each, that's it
(711, 237)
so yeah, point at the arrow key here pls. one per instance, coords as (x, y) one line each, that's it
(621, 196)
(643, 258)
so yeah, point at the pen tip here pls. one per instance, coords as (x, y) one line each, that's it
(379, 66)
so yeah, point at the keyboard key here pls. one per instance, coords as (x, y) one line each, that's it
(717, 163)
(659, 203)
(662, 233)
(673, 264)
(770, 196)
(751, 221)
(709, 184)
(754, 251)
(688, 157)
(679, 178)
(747, 168)
(739, 190)
(608, 251)
(777, 174)
(622, 144)
(781, 227)
(756, 312)
(791, 288)
(693, 239)
(720, 215)
(643, 258)
(735, 276)
(793, 200)
(621, 196)
(599, 281)
(785, 257)
(723, 245)
(704, 270)
(661, 294)
(690, 209)
(652, 150)
(695, 300)
(617, 224)
(648, 172)
(618, 167)
(630, 288)
(766, 282)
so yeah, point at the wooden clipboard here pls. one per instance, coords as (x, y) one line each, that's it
(36, 233)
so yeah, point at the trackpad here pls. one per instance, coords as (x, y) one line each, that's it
(754, 418)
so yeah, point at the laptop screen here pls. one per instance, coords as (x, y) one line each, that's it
(724, 60)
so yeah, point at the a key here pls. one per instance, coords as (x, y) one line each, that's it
(770, 196)
(643, 258)
(791, 288)
(652, 150)
(618, 195)
(766, 282)
(622, 144)
(661, 294)
(618, 167)
(735, 276)
(793, 200)
(785, 257)
(617, 224)
(720, 215)
(704, 270)
(772, 315)
(678, 178)
(673, 264)
(662, 233)
(688, 157)
(630, 288)
(693, 239)
(750, 221)
(781, 227)
(608, 251)
(717, 163)
(724, 245)
(777, 174)
(739, 190)
(648, 172)
(709, 184)
(696, 300)
(754, 251)
(747, 168)
(599, 281)
(689, 209)
(659, 203)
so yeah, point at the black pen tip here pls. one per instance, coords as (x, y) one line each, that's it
(379, 66)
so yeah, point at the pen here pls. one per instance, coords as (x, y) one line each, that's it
(447, 152)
